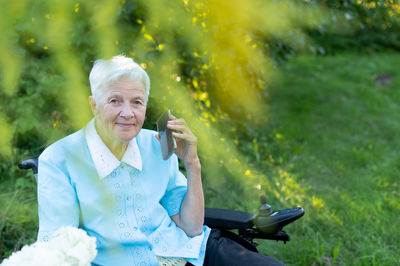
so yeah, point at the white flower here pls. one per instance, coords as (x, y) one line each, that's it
(79, 248)
(68, 246)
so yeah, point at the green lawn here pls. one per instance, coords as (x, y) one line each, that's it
(333, 135)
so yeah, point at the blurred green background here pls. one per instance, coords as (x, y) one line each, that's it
(297, 100)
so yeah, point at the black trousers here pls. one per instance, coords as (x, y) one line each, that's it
(230, 250)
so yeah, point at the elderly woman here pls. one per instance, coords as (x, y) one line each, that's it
(110, 179)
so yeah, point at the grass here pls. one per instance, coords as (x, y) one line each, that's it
(331, 145)
(18, 212)
(334, 134)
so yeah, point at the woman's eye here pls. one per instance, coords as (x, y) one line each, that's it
(113, 101)
(138, 102)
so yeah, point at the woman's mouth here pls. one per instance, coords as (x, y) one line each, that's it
(125, 125)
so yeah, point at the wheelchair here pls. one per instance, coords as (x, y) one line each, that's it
(267, 224)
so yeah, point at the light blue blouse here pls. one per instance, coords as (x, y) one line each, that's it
(128, 211)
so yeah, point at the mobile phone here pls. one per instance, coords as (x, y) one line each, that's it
(167, 141)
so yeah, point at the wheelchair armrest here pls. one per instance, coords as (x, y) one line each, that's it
(277, 220)
(31, 163)
(228, 219)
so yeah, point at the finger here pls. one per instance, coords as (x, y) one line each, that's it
(157, 136)
(172, 117)
(191, 139)
(180, 136)
(177, 121)
(182, 128)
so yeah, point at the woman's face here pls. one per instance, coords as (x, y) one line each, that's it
(120, 111)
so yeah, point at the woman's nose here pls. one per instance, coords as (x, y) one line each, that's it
(127, 111)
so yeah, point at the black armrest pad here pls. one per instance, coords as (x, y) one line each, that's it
(29, 164)
(278, 219)
(228, 219)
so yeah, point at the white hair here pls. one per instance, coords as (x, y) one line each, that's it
(106, 72)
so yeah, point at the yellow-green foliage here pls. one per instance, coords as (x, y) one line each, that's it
(206, 59)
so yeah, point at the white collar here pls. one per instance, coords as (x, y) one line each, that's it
(104, 160)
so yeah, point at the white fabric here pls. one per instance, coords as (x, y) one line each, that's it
(171, 261)
(104, 160)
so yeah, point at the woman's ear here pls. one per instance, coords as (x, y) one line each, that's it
(93, 105)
